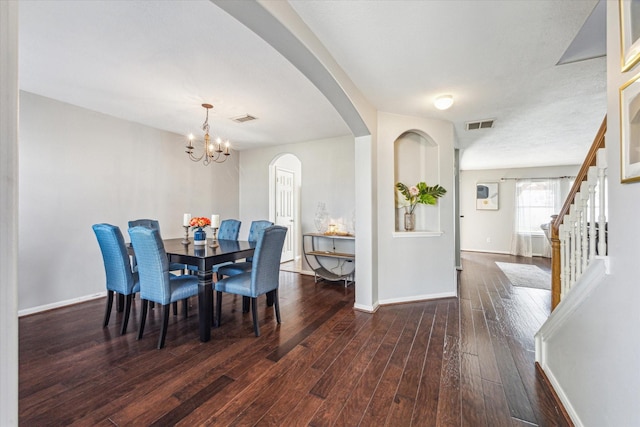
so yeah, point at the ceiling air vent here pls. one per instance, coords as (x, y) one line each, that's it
(245, 118)
(481, 124)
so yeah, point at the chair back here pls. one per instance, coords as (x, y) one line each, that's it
(117, 267)
(229, 229)
(149, 223)
(153, 265)
(265, 273)
(257, 227)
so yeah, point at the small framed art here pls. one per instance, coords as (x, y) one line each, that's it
(629, 32)
(630, 130)
(487, 196)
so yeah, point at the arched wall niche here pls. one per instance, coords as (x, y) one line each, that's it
(417, 158)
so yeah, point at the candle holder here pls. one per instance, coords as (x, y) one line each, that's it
(214, 240)
(186, 241)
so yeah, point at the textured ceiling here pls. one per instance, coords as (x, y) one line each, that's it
(155, 62)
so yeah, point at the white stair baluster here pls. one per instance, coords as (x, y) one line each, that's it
(584, 200)
(602, 220)
(592, 179)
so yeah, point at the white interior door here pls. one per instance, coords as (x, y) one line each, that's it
(285, 209)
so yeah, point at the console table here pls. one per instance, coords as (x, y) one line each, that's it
(327, 262)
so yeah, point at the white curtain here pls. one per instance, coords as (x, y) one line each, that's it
(555, 199)
(521, 237)
(535, 202)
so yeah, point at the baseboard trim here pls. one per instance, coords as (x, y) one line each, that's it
(555, 396)
(52, 306)
(486, 251)
(417, 298)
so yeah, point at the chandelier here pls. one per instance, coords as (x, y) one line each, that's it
(212, 152)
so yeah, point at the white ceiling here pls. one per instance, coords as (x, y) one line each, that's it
(155, 62)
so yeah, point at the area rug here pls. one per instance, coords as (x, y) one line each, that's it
(526, 275)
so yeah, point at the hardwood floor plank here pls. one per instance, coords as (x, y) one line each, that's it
(467, 331)
(426, 407)
(286, 347)
(206, 412)
(448, 412)
(473, 411)
(379, 407)
(189, 405)
(488, 365)
(404, 401)
(519, 404)
(332, 405)
(358, 401)
(497, 409)
(344, 348)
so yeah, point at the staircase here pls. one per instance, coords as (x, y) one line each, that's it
(579, 231)
(579, 265)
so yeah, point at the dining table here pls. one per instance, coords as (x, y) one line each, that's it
(205, 258)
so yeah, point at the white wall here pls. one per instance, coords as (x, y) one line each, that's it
(78, 168)
(595, 355)
(413, 266)
(9, 217)
(327, 176)
(478, 226)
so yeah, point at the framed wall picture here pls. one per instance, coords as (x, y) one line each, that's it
(629, 32)
(630, 130)
(487, 196)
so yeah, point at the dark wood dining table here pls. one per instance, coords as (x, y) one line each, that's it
(205, 257)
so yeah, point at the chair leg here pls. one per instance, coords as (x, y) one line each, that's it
(165, 323)
(120, 302)
(218, 308)
(107, 313)
(185, 307)
(213, 309)
(245, 304)
(276, 304)
(127, 312)
(175, 308)
(143, 317)
(254, 312)
(270, 298)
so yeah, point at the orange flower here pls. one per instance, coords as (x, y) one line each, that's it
(199, 222)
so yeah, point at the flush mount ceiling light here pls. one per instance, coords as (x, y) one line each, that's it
(443, 102)
(212, 152)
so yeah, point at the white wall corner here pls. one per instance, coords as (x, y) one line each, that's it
(366, 308)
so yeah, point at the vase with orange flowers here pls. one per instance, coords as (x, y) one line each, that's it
(199, 235)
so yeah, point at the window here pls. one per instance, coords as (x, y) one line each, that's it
(536, 201)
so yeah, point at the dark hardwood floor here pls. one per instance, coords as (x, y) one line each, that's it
(465, 361)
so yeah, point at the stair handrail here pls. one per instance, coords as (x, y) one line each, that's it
(590, 160)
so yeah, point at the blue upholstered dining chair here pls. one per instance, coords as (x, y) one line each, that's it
(264, 275)
(257, 227)
(155, 225)
(231, 269)
(157, 284)
(120, 278)
(229, 230)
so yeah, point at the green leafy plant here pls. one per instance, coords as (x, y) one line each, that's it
(420, 193)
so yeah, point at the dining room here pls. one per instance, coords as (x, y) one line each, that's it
(128, 171)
